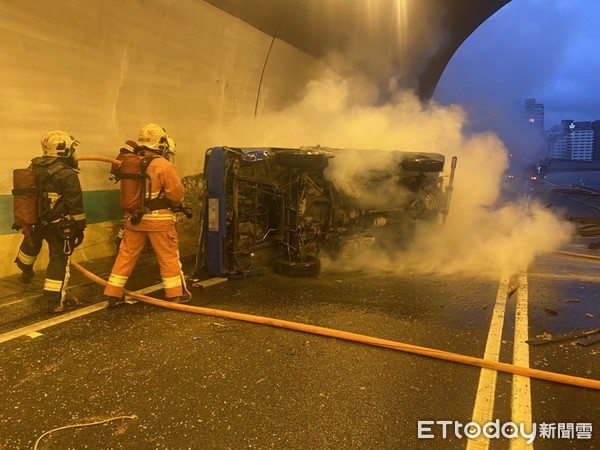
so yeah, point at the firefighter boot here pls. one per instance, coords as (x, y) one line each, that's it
(181, 299)
(66, 305)
(27, 276)
(50, 300)
(113, 302)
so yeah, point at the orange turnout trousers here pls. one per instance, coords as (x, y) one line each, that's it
(158, 227)
(165, 245)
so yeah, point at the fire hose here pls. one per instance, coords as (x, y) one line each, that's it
(369, 340)
(354, 337)
(577, 255)
(98, 158)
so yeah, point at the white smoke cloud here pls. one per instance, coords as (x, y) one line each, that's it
(478, 236)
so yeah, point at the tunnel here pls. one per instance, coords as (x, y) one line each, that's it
(102, 70)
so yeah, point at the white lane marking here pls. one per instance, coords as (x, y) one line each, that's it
(483, 410)
(521, 386)
(143, 291)
(67, 316)
(50, 322)
(34, 334)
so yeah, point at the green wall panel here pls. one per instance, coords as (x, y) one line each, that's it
(100, 206)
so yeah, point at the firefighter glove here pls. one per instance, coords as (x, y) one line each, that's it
(78, 238)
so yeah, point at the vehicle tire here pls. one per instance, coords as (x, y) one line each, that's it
(424, 164)
(301, 160)
(432, 202)
(307, 268)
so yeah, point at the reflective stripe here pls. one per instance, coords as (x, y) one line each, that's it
(53, 285)
(171, 282)
(53, 197)
(66, 281)
(159, 216)
(117, 280)
(26, 259)
(213, 214)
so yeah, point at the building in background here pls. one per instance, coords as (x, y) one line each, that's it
(534, 113)
(574, 140)
(557, 142)
(596, 141)
(581, 141)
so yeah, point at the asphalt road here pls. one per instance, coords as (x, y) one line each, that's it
(195, 381)
(151, 378)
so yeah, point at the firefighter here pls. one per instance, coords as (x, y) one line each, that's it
(61, 218)
(129, 150)
(154, 223)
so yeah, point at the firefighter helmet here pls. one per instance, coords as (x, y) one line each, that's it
(171, 143)
(154, 137)
(58, 143)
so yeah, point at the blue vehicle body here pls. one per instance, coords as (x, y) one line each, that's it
(281, 207)
(215, 210)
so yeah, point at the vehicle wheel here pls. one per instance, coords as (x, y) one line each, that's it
(307, 268)
(431, 206)
(300, 160)
(423, 164)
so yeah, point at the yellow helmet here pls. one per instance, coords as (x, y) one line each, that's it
(58, 143)
(171, 144)
(154, 137)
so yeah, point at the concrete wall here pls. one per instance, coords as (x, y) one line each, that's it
(103, 69)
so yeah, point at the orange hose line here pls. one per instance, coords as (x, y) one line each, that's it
(578, 255)
(98, 158)
(424, 351)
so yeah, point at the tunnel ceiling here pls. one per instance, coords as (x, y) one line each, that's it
(318, 27)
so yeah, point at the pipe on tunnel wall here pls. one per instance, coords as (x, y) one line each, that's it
(102, 70)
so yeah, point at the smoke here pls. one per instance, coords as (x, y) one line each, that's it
(479, 235)
(353, 172)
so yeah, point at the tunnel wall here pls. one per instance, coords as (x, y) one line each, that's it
(102, 70)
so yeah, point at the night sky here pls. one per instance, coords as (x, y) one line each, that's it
(545, 49)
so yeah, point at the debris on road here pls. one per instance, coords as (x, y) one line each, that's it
(593, 339)
(547, 338)
(587, 226)
(589, 230)
(210, 282)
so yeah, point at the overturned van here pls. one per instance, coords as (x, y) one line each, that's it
(283, 208)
